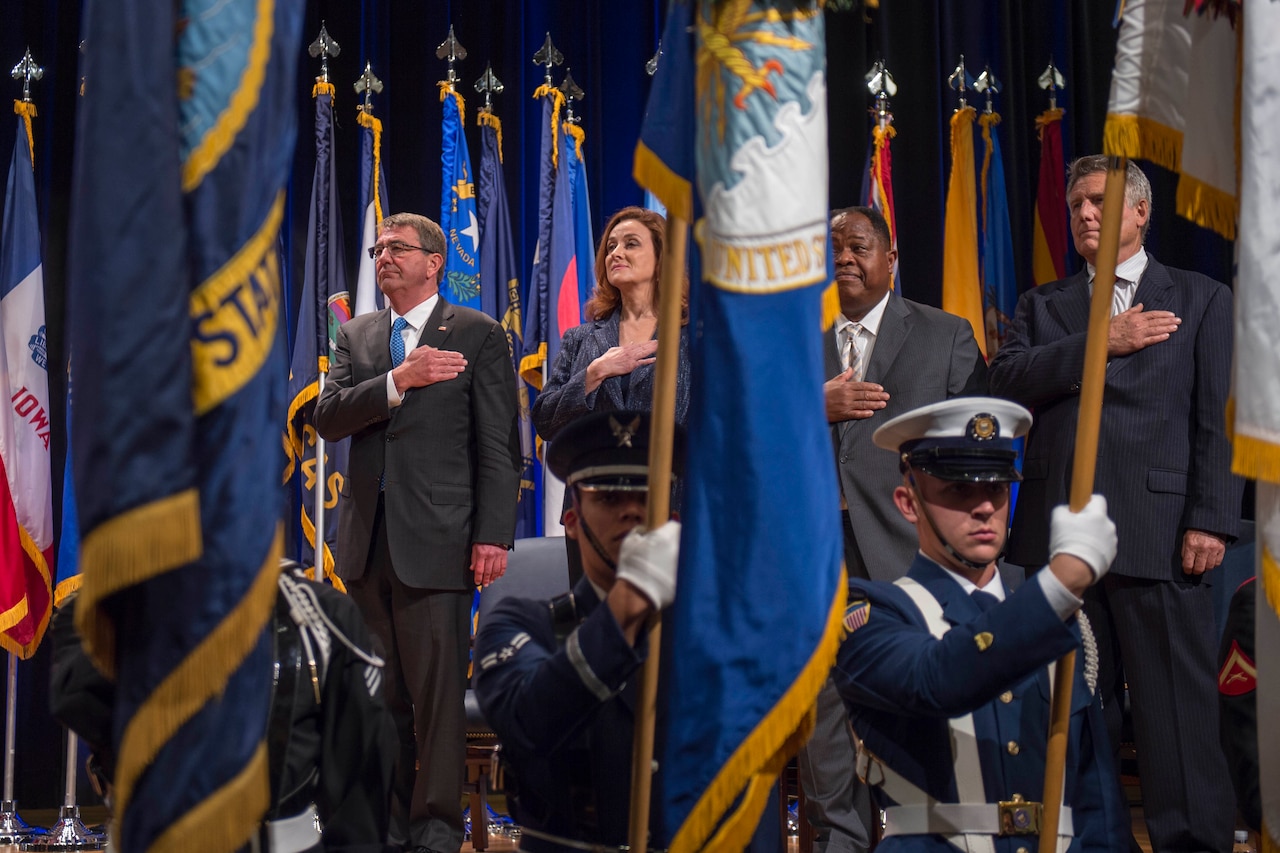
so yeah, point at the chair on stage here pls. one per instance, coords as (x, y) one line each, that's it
(536, 568)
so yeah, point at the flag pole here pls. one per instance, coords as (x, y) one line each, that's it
(319, 540)
(1092, 383)
(661, 439)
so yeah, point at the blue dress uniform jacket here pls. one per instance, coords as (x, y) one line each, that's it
(564, 714)
(901, 685)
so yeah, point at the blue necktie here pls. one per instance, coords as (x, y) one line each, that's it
(984, 600)
(397, 341)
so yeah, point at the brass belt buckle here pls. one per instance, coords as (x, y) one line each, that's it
(1019, 817)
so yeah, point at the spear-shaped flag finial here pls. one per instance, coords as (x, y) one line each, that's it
(961, 82)
(988, 85)
(324, 47)
(451, 50)
(368, 85)
(882, 87)
(651, 67)
(548, 56)
(572, 92)
(1051, 80)
(489, 85)
(26, 70)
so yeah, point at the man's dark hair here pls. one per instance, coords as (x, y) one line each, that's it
(875, 217)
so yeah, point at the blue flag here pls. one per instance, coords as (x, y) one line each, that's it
(69, 578)
(461, 280)
(324, 277)
(999, 275)
(184, 144)
(664, 159)
(373, 207)
(739, 701)
(541, 342)
(500, 291)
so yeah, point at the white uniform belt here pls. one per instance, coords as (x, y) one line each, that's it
(969, 818)
(292, 834)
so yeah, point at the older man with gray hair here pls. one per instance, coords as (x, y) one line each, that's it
(1164, 465)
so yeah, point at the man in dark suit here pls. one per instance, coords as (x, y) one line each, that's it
(426, 391)
(1164, 464)
(886, 356)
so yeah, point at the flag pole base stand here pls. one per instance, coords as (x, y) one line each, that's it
(69, 833)
(13, 829)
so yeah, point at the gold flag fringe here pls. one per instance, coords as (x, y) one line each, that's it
(652, 173)
(197, 679)
(761, 756)
(132, 547)
(225, 819)
(1206, 205)
(1138, 137)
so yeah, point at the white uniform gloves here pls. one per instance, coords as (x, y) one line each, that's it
(648, 560)
(1088, 534)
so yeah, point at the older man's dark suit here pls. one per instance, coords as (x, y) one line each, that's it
(922, 355)
(451, 459)
(1164, 465)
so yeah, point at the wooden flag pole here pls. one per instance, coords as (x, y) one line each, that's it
(1092, 383)
(661, 439)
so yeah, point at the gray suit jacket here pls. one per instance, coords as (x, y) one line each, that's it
(922, 355)
(450, 451)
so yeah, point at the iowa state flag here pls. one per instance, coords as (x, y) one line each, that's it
(740, 701)
(461, 281)
(184, 144)
(26, 503)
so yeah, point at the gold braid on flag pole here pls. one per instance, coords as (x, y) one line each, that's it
(446, 89)
(27, 110)
(323, 88)
(987, 120)
(557, 101)
(1045, 119)
(578, 137)
(365, 119)
(487, 118)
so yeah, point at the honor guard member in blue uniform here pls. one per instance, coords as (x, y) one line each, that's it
(558, 680)
(946, 674)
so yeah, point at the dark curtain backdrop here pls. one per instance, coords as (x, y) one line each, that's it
(605, 45)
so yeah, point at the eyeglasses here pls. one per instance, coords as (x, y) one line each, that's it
(396, 248)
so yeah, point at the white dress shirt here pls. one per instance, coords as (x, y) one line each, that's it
(417, 319)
